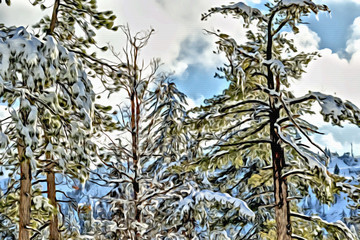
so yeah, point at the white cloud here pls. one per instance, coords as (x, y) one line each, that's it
(179, 67)
(339, 139)
(21, 13)
(353, 44)
(338, 1)
(332, 74)
(176, 24)
(329, 141)
(306, 40)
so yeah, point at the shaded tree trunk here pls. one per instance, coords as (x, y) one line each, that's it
(134, 136)
(25, 193)
(54, 17)
(50, 177)
(51, 191)
(282, 210)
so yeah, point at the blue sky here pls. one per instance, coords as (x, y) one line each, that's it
(184, 48)
(334, 31)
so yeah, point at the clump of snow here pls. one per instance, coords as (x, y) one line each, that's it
(41, 202)
(37, 202)
(44, 76)
(298, 2)
(219, 235)
(224, 198)
(196, 197)
(240, 8)
(49, 147)
(28, 152)
(5, 58)
(4, 140)
(335, 109)
(51, 48)
(276, 66)
(311, 160)
(32, 118)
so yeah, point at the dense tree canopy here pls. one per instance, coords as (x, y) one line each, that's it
(241, 166)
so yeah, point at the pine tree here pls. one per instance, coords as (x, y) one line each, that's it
(74, 24)
(62, 25)
(149, 147)
(49, 95)
(67, 16)
(255, 126)
(336, 169)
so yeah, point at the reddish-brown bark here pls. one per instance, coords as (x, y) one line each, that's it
(25, 193)
(51, 191)
(282, 210)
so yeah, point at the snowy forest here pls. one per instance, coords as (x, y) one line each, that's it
(242, 165)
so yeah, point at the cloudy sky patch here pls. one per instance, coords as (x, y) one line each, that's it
(180, 42)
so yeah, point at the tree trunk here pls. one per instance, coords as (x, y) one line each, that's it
(54, 17)
(51, 191)
(50, 178)
(282, 210)
(25, 194)
(134, 136)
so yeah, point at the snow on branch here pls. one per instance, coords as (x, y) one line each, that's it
(298, 2)
(304, 4)
(288, 112)
(276, 66)
(332, 108)
(248, 13)
(229, 104)
(224, 198)
(305, 154)
(351, 190)
(196, 197)
(339, 225)
(49, 94)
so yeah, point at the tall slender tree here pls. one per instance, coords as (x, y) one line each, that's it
(150, 118)
(54, 99)
(67, 16)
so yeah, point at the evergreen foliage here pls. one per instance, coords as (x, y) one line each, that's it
(242, 166)
(48, 94)
(258, 142)
(148, 146)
